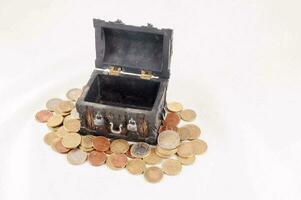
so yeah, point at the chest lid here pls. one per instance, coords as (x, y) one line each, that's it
(141, 50)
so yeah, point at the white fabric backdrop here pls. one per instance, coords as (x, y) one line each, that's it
(237, 63)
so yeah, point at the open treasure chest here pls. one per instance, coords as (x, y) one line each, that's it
(125, 96)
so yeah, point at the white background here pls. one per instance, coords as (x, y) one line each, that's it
(237, 63)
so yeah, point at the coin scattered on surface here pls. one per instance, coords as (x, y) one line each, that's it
(199, 146)
(140, 150)
(50, 138)
(97, 158)
(65, 106)
(174, 107)
(136, 166)
(152, 158)
(55, 121)
(52, 104)
(43, 116)
(101, 143)
(86, 141)
(59, 147)
(119, 146)
(172, 120)
(171, 167)
(168, 139)
(153, 174)
(185, 150)
(195, 131)
(76, 156)
(117, 161)
(184, 133)
(165, 152)
(71, 140)
(188, 115)
(186, 160)
(72, 125)
(74, 94)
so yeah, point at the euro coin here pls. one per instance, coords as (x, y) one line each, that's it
(74, 94)
(199, 146)
(72, 125)
(188, 115)
(195, 131)
(87, 141)
(43, 116)
(76, 156)
(136, 166)
(97, 158)
(171, 167)
(65, 106)
(55, 121)
(59, 147)
(71, 140)
(168, 139)
(186, 160)
(50, 138)
(153, 174)
(140, 150)
(117, 161)
(61, 132)
(152, 158)
(184, 133)
(53, 103)
(166, 152)
(101, 143)
(185, 149)
(174, 107)
(119, 146)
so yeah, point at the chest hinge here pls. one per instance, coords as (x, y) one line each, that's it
(114, 71)
(146, 75)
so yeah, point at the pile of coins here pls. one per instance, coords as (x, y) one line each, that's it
(177, 146)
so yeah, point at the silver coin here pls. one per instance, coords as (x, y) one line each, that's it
(76, 156)
(140, 150)
(168, 139)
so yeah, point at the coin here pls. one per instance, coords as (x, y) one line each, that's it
(74, 114)
(161, 155)
(184, 133)
(172, 120)
(140, 150)
(168, 139)
(65, 106)
(97, 158)
(128, 153)
(72, 125)
(152, 158)
(59, 147)
(188, 115)
(165, 152)
(101, 143)
(199, 146)
(76, 156)
(43, 116)
(186, 160)
(61, 132)
(153, 174)
(171, 167)
(53, 103)
(87, 141)
(50, 138)
(195, 131)
(85, 149)
(136, 166)
(55, 121)
(119, 146)
(165, 127)
(174, 107)
(185, 149)
(71, 140)
(74, 94)
(117, 161)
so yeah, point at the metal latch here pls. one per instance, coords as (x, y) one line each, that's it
(114, 71)
(146, 75)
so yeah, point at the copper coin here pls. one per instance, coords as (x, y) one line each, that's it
(153, 174)
(117, 161)
(188, 115)
(172, 119)
(43, 115)
(59, 147)
(128, 153)
(101, 143)
(52, 104)
(97, 158)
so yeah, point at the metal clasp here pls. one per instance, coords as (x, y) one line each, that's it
(116, 131)
(132, 126)
(99, 120)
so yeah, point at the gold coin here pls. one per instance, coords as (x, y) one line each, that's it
(136, 166)
(117, 161)
(72, 140)
(85, 149)
(52, 104)
(65, 106)
(152, 158)
(168, 139)
(161, 155)
(55, 121)
(74, 94)
(166, 152)
(199, 146)
(119, 146)
(186, 160)
(171, 167)
(188, 115)
(153, 174)
(64, 114)
(184, 133)
(50, 138)
(185, 149)
(76, 156)
(72, 125)
(174, 107)
(195, 131)
(61, 132)
(86, 141)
